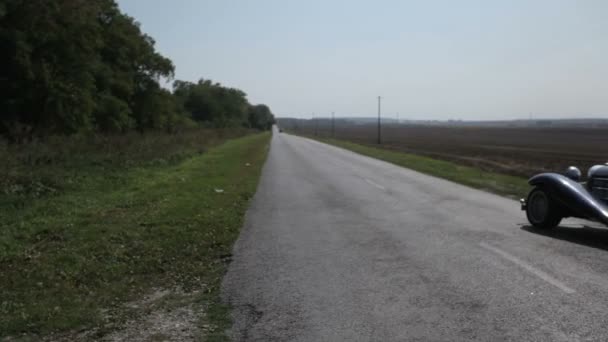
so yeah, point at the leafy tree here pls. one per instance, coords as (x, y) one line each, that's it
(45, 69)
(83, 65)
(211, 103)
(260, 117)
(130, 71)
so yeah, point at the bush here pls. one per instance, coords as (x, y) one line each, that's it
(46, 167)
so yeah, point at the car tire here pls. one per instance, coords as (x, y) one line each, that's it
(541, 209)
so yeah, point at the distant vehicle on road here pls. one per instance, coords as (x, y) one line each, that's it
(556, 196)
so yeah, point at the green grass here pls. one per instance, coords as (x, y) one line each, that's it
(70, 260)
(510, 186)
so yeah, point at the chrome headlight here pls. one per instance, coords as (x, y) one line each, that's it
(573, 173)
(593, 169)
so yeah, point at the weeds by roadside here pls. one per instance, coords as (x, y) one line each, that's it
(59, 164)
(121, 223)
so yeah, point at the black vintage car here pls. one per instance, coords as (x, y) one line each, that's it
(556, 196)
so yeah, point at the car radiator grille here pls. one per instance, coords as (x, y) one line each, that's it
(599, 189)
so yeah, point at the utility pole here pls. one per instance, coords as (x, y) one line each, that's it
(315, 123)
(379, 129)
(333, 124)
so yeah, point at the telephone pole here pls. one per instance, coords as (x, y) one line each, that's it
(333, 124)
(379, 129)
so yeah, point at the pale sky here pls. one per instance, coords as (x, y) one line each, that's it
(428, 59)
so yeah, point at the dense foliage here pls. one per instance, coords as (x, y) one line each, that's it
(82, 65)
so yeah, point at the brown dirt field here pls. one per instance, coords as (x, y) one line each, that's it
(512, 150)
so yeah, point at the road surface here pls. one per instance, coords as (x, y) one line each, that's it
(341, 247)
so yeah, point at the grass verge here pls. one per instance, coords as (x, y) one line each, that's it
(505, 185)
(70, 262)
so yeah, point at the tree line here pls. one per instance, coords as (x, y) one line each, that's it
(71, 66)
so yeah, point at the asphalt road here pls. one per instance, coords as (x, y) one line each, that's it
(341, 247)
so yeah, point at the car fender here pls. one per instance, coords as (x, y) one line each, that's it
(571, 195)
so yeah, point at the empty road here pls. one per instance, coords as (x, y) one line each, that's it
(340, 247)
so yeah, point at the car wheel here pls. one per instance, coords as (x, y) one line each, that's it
(541, 210)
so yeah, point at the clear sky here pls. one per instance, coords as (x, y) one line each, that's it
(428, 59)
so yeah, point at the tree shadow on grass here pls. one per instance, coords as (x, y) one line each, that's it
(583, 235)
